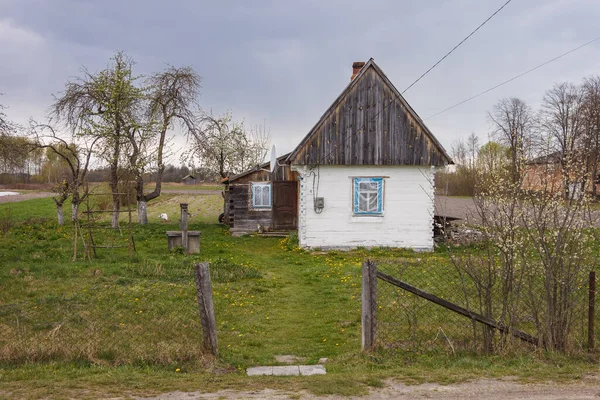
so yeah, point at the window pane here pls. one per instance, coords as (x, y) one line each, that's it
(261, 195)
(368, 194)
(362, 202)
(367, 186)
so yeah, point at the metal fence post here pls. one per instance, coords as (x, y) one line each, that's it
(369, 304)
(206, 306)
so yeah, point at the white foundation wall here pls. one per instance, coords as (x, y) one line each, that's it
(408, 208)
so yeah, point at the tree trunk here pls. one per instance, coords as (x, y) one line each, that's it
(142, 207)
(116, 200)
(74, 211)
(115, 214)
(59, 213)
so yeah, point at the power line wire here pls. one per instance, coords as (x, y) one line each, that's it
(457, 46)
(513, 78)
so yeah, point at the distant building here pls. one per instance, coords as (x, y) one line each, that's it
(189, 180)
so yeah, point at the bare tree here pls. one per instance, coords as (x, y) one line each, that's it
(75, 157)
(562, 121)
(106, 106)
(225, 146)
(513, 126)
(459, 152)
(591, 126)
(473, 149)
(171, 97)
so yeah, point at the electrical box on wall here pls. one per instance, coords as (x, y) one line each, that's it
(319, 204)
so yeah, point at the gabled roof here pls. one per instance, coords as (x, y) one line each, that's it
(257, 168)
(312, 148)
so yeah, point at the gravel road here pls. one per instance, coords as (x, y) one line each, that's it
(499, 389)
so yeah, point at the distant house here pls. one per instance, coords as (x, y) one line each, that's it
(545, 173)
(362, 176)
(189, 180)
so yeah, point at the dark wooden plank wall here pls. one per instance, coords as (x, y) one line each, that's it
(238, 201)
(241, 214)
(369, 126)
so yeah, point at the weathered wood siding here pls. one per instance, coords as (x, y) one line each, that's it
(369, 124)
(281, 173)
(242, 217)
(407, 220)
(239, 214)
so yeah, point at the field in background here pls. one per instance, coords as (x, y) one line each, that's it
(270, 299)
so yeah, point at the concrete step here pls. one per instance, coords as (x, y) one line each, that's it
(287, 370)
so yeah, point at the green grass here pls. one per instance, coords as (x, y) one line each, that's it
(121, 324)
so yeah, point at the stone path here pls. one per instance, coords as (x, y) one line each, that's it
(287, 370)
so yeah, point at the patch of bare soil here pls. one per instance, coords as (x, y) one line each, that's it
(24, 196)
(498, 389)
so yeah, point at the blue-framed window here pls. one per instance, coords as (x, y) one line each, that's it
(368, 196)
(261, 195)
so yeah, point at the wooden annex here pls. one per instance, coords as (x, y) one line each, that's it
(239, 213)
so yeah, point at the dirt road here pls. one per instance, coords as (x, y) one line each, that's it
(24, 196)
(499, 389)
(458, 207)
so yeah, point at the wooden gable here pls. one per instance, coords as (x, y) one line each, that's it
(370, 123)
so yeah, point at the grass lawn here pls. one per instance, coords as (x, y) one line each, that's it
(130, 325)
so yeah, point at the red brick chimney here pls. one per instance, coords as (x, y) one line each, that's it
(356, 66)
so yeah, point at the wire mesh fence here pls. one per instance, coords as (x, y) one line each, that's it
(447, 309)
(110, 320)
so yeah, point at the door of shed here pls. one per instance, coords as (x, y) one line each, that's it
(285, 205)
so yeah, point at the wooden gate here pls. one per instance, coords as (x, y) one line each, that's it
(285, 205)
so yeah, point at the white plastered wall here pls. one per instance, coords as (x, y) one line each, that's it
(408, 208)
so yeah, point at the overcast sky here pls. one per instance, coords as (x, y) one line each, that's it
(284, 62)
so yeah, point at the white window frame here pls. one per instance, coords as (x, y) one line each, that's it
(378, 192)
(261, 187)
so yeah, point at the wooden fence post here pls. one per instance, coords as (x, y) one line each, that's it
(184, 227)
(591, 313)
(206, 306)
(369, 304)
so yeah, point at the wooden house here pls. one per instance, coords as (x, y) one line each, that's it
(363, 174)
(261, 199)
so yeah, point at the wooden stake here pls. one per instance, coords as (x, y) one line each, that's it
(184, 227)
(206, 306)
(591, 313)
(369, 304)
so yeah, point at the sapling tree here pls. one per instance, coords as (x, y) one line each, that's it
(537, 241)
(76, 158)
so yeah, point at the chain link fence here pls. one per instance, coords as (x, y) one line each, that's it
(447, 309)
